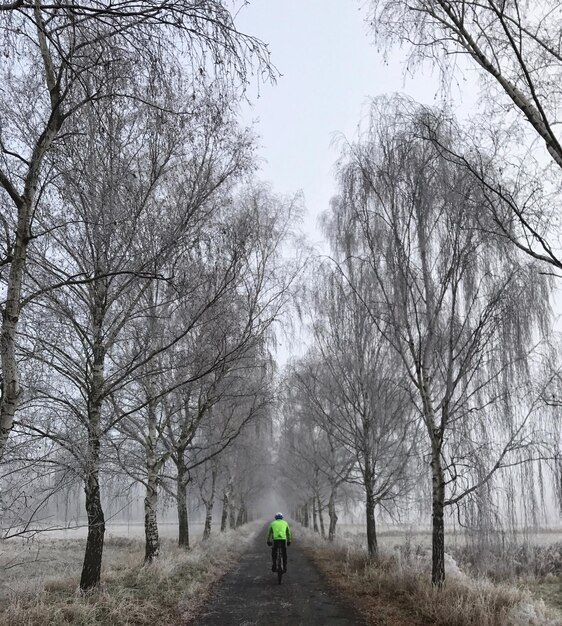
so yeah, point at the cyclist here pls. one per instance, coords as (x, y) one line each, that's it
(279, 535)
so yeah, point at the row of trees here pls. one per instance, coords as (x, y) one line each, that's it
(142, 267)
(429, 356)
(431, 318)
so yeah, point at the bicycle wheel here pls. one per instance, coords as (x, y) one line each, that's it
(279, 566)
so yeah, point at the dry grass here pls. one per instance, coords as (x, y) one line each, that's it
(510, 560)
(394, 591)
(168, 593)
(548, 588)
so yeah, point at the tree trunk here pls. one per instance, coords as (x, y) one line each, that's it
(241, 518)
(208, 520)
(435, 433)
(91, 568)
(209, 504)
(372, 546)
(181, 485)
(305, 515)
(24, 203)
(152, 540)
(314, 516)
(225, 507)
(10, 315)
(321, 517)
(333, 515)
(437, 482)
(438, 523)
(232, 515)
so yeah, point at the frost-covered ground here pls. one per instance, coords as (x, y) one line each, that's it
(39, 582)
(132, 530)
(59, 553)
(499, 556)
(391, 536)
(398, 582)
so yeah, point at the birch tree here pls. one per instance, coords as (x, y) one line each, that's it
(208, 427)
(243, 465)
(360, 395)
(134, 195)
(250, 466)
(299, 461)
(57, 60)
(516, 48)
(245, 251)
(459, 307)
(315, 444)
(167, 403)
(207, 483)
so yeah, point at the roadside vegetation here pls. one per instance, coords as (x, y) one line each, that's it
(44, 589)
(395, 588)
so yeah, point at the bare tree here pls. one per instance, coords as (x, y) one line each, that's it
(244, 250)
(138, 162)
(241, 466)
(299, 458)
(250, 467)
(358, 393)
(452, 300)
(316, 465)
(516, 47)
(74, 55)
(204, 431)
(207, 483)
(174, 393)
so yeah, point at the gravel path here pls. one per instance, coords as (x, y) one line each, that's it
(249, 595)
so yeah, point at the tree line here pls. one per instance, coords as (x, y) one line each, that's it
(433, 375)
(143, 264)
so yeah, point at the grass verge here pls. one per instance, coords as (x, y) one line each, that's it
(169, 592)
(393, 591)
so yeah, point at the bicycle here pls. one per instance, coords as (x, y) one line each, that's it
(279, 536)
(279, 565)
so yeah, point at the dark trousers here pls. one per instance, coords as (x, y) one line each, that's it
(279, 544)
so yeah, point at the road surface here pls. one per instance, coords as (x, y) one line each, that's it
(249, 595)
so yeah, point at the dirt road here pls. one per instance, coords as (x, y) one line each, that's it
(250, 596)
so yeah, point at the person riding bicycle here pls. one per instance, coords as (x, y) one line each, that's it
(279, 535)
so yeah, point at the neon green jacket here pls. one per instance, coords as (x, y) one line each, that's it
(279, 529)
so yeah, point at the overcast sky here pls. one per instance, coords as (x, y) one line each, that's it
(330, 68)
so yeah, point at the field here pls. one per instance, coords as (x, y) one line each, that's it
(60, 552)
(132, 530)
(392, 536)
(534, 556)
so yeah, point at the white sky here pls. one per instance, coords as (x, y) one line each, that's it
(330, 68)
